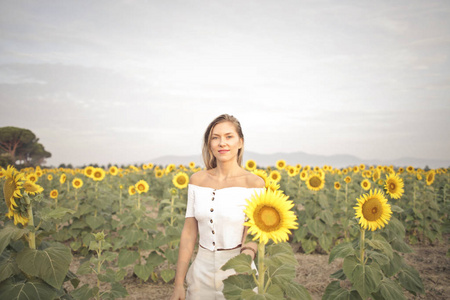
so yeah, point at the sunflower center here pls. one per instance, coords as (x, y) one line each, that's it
(251, 164)
(269, 218)
(30, 188)
(97, 175)
(315, 181)
(391, 186)
(181, 180)
(8, 190)
(372, 209)
(141, 187)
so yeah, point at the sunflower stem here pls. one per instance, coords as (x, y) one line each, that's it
(361, 245)
(261, 267)
(31, 235)
(171, 210)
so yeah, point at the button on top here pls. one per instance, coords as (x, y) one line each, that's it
(212, 199)
(213, 232)
(214, 243)
(211, 221)
(212, 209)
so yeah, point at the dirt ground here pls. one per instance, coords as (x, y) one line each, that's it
(314, 272)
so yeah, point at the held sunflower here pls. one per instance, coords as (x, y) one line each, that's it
(394, 186)
(372, 210)
(181, 180)
(270, 216)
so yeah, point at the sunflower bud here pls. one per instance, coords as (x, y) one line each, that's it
(99, 236)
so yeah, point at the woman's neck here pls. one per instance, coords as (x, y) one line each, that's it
(225, 170)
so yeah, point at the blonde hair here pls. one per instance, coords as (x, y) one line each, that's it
(208, 158)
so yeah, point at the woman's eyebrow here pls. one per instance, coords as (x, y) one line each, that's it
(223, 134)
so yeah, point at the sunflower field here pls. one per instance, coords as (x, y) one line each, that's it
(126, 222)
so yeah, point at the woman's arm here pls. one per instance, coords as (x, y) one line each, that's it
(251, 245)
(187, 244)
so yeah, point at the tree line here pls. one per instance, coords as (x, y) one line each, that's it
(20, 147)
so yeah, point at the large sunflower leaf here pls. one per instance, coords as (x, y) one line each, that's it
(167, 275)
(334, 291)
(410, 279)
(394, 265)
(10, 233)
(366, 279)
(241, 263)
(342, 250)
(95, 222)
(143, 271)
(50, 264)
(389, 290)
(127, 257)
(234, 286)
(295, 290)
(84, 292)
(8, 265)
(32, 289)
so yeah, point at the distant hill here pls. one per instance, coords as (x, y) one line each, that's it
(337, 161)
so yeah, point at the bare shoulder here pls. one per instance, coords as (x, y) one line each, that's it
(254, 181)
(198, 177)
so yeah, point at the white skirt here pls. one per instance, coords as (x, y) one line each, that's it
(204, 277)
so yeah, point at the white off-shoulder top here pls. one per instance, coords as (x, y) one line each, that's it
(219, 213)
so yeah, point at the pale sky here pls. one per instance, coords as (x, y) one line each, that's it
(127, 81)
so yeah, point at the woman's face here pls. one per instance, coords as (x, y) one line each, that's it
(225, 142)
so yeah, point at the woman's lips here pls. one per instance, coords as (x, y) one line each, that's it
(223, 151)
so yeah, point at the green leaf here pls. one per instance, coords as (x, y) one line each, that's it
(282, 253)
(390, 290)
(143, 271)
(154, 259)
(133, 236)
(396, 209)
(334, 291)
(109, 256)
(10, 233)
(378, 242)
(401, 246)
(84, 268)
(167, 275)
(127, 257)
(366, 279)
(316, 227)
(32, 289)
(396, 227)
(325, 241)
(240, 263)
(327, 217)
(84, 292)
(95, 222)
(55, 213)
(295, 290)
(128, 220)
(8, 265)
(349, 265)
(394, 265)
(50, 264)
(339, 274)
(380, 258)
(117, 291)
(236, 284)
(410, 279)
(108, 276)
(342, 250)
(308, 245)
(171, 255)
(147, 224)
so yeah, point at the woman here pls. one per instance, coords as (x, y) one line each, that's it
(216, 200)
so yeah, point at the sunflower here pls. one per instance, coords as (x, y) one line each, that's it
(250, 165)
(376, 175)
(11, 187)
(141, 186)
(372, 210)
(419, 177)
(304, 175)
(275, 176)
(98, 174)
(307, 168)
(270, 216)
(292, 171)
(181, 180)
(362, 167)
(315, 182)
(394, 186)
(280, 164)
(337, 185)
(32, 188)
(191, 165)
(262, 174)
(54, 194)
(88, 171)
(401, 170)
(430, 177)
(345, 171)
(32, 177)
(150, 166)
(170, 168)
(113, 170)
(131, 190)
(2, 172)
(348, 179)
(77, 183)
(272, 186)
(63, 178)
(49, 177)
(159, 173)
(365, 184)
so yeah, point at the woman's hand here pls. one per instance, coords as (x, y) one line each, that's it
(178, 293)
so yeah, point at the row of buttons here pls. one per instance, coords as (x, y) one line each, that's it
(212, 210)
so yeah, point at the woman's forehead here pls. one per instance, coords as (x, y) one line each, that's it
(224, 127)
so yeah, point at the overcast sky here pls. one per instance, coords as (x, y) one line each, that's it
(127, 81)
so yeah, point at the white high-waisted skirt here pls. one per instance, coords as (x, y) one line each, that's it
(204, 277)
